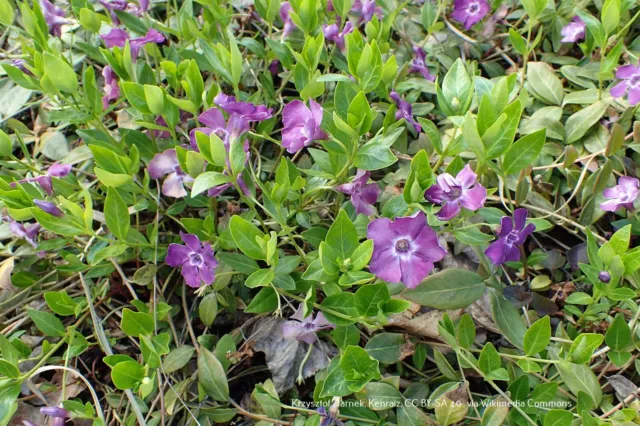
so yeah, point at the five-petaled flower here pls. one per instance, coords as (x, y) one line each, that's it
(574, 31)
(111, 88)
(404, 249)
(630, 75)
(365, 9)
(46, 183)
(301, 125)
(404, 110)
(196, 259)
(453, 192)
(418, 64)
(166, 163)
(28, 231)
(304, 329)
(621, 195)
(470, 12)
(119, 37)
(247, 110)
(54, 17)
(511, 236)
(332, 33)
(363, 195)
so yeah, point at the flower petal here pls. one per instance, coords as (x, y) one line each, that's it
(163, 163)
(177, 254)
(474, 198)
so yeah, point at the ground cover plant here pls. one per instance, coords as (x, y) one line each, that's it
(319, 212)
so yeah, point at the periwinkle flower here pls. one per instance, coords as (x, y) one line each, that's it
(57, 412)
(621, 195)
(152, 36)
(28, 231)
(129, 7)
(328, 417)
(470, 12)
(59, 170)
(630, 75)
(54, 17)
(404, 111)
(115, 37)
(304, 329)
(418, 64)
(404, 249)
(247, 110)
(365, 9)
(196, 259)
(166, 163)
(48, 207)
(301, 125)
(604, 276)
(273, 67)
(56, 170)
(332, 33)
(285, 15)
(21, 65)
(363, 195)
(574, 31)
(111, 88)
(511, 236)
(453, 192)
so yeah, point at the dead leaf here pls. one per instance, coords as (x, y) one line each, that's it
(285, 356)
(623, 386)
(419, 321)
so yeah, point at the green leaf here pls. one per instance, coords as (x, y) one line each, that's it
(420, 178)
(472, 236)
(386, 347)
(557, 417)
(369, 299)
(466, 331)
(610, 15)
(245, 235)
(60, 302)
(177, 358)
(537, 336)
(260, 278)
(135, 324)
(618, 336)
(239, 262)
(359, 114)
(343, 304)
(448, 289)
(6, 12)
(472, 137)
(580, 378)
(342, 236)
(265, 301)
(344, 336)
(58, 225)
(208, 309)
(47, 323)
(361, 255)
(7, 369)
(127, 374)
(583, 346)
(358, 368)
(60, 73)
(518, 42)
(499, 136)
(211, 376)
(620, 240)
(534, 8)
(454, 98)
(545, 392)
(579, 123)
(524, 152)
(507, 319)
(495, 414)
(489, 359)
(544, 84)
(116, 214)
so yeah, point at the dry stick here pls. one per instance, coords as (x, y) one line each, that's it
(624, 402)
(106, 347)
(258, 417)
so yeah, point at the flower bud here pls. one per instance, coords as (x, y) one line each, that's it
(58, 412)
(604, 276)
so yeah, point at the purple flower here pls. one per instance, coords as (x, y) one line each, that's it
(20, 64)
(366, 9)
(621, 195)
(305, 329)
(418, 64)
(166, 163)
(332, 33)
(469, 12)
(54, 16)
(329, 418)
(48, 207)
(511, 236)
(573, 31)
(301, 125)
(249, 111)
(285, 15)
(59, 170)
(58, 412)
(112, 6)
(405, 111)
(28, 232)
(196, 259)
(604, 276)
(404, 249)
(111, 88)
(273, 67)
(452, 192)
(152, 36)
(115, 37)
(215, 123)
(363, 195)
(630, 83)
